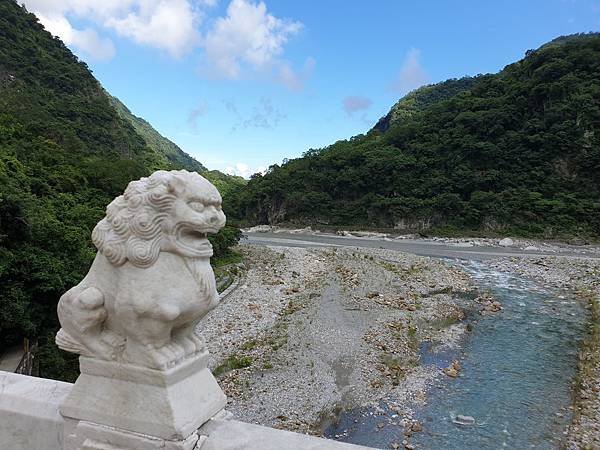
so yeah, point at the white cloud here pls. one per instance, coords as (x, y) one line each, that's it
(83, 8)
(247, 37)
(412, 75)
(57, 25)
(293, 80)
(243, 170)
(354, 103)
(85, 41)
(246, 41)
(167, 24)
(90, 43)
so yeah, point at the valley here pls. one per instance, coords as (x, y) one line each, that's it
(364, 337)
(420, 276)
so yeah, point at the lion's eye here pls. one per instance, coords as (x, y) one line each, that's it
(196, 206)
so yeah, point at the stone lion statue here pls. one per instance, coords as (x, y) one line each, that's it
(151, 280)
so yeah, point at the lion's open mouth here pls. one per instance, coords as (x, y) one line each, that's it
(191, 235)
(193, 240)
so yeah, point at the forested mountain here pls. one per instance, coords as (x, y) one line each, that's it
(65, 153)
(168, 151)
(514, 152)
(419, 99)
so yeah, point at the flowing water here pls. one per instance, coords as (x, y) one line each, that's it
(515, 382)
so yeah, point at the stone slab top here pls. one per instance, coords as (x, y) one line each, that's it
(235, 435)
(25, 388)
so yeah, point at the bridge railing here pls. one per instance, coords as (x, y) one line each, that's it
(27, 365)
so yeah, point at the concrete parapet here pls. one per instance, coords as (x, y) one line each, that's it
(29, 416)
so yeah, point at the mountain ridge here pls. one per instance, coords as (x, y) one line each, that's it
(421, 98)
(160, 144)
(515, 152)
(172, 156)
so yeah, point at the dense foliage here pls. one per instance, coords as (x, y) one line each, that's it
(516, 152)
(65, 153)
(420, 99)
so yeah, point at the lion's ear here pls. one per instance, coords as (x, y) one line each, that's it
(176, 185)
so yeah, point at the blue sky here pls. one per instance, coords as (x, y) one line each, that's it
(241, 84)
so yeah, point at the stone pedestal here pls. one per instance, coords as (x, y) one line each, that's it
(114, 403)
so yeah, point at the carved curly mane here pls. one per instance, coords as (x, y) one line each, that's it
(136, 221)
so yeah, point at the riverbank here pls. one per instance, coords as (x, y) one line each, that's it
(581, 276)
(337, 327)
(528, 245)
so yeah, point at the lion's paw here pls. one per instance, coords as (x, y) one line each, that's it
(192, 344)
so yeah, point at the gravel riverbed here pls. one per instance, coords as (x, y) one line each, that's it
(312, 331)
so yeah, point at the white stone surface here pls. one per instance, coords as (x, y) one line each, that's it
(132, 318)
(90, 436)
(29, 417)
(506, 242)
(234, 435)
(151, 281)
(29, 420)
(168, 404)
